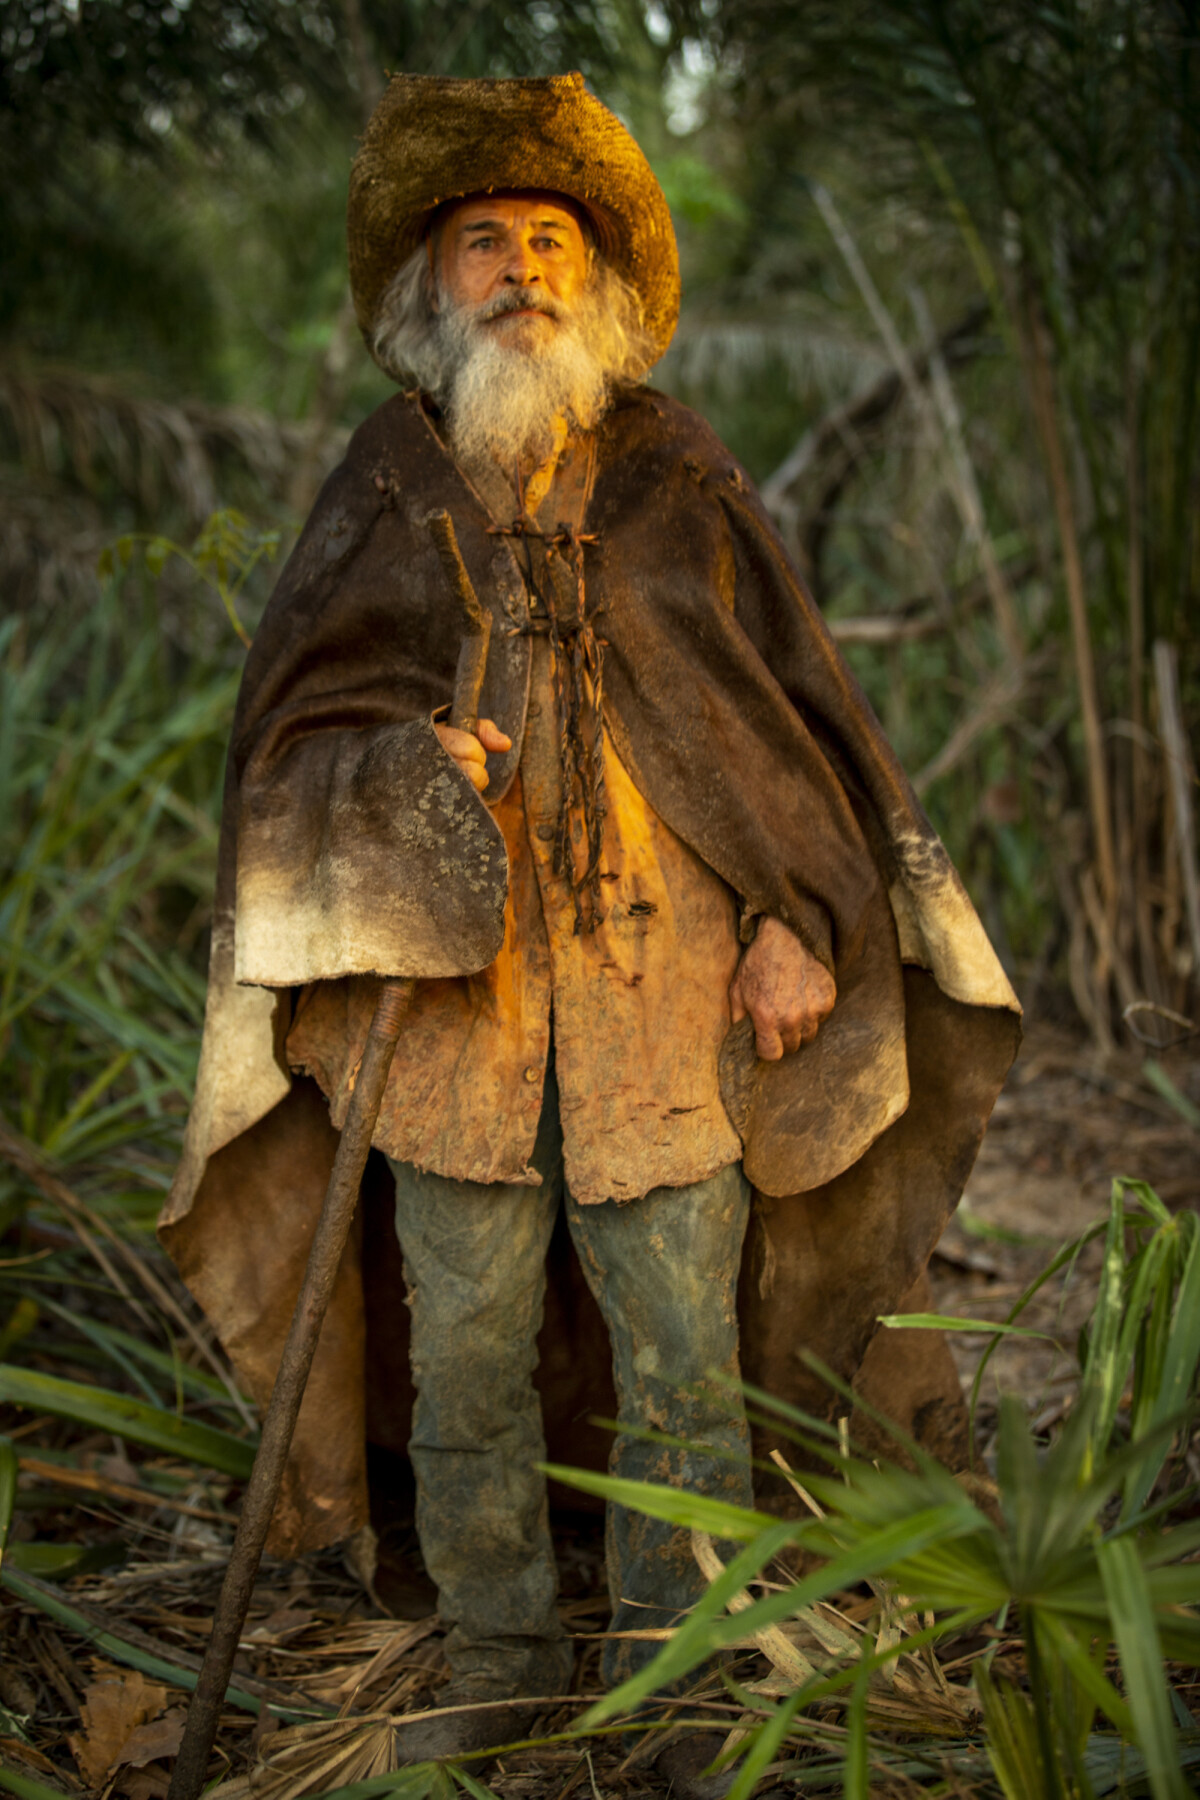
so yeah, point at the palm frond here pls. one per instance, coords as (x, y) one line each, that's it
(95, 433)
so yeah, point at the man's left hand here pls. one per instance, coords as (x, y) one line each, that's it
(783, 987)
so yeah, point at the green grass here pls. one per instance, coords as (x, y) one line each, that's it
(112, 744)
(111, 751)
(1079, 1559)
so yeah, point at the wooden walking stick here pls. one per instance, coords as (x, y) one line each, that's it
(324, 1258)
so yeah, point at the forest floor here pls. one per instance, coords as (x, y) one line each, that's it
(77, 1717)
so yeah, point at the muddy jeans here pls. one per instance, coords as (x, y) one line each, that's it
(663, 1270)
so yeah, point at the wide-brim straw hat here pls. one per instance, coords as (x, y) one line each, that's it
(431, 140)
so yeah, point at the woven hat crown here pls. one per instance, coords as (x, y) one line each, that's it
(431, 140)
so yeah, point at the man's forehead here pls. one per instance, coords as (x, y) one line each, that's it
(546, 208)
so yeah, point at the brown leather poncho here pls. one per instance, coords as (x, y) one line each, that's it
(729, 704)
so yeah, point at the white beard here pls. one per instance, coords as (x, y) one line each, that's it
(505, 386)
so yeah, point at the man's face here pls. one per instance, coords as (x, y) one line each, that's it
(518, 261)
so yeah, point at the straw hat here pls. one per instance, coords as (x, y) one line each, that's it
(430, 140)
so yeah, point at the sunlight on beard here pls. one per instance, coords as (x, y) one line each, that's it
(508, 380)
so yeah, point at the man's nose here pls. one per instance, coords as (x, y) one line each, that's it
(522, 267)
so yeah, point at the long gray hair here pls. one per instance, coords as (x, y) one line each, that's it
(408, 346)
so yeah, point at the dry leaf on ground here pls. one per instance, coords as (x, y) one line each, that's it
(143, 1784)
(280, 1626)
(160, 1738)
(16, 1693)
(111, 1712)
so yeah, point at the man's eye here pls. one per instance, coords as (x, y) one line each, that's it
(484, 243)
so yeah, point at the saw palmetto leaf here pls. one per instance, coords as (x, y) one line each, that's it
(1046, 1561)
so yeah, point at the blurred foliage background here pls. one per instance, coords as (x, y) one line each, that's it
(942, 296)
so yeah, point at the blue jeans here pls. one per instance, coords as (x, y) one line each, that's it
(664, 1272)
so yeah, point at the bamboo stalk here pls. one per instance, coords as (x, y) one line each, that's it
(1042, 384)
(961, 478)
(970, 501)
(1140, 784)
(1182, 779)
(338, 359)
(367, 78)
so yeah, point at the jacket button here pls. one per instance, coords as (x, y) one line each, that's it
(546, 832)
(532, 1074)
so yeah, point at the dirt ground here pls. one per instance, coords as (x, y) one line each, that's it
(1065, 1127)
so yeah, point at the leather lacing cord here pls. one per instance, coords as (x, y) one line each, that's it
(578, 673)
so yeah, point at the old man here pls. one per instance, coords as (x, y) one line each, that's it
(735, 955)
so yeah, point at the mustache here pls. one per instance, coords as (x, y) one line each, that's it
(521, 300)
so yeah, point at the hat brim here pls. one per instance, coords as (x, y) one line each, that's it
(432, 140)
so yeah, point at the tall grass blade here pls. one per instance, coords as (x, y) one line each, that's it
(700, 1632)
(134, 1420)
(97, 1334)
(1162, 1084)
(422, 1781)
(693, 1511)
(470, 1784)
(8, 1488)
(876, 1552)
(764, 1747)
(1086, 1671)
(25, 1787)
(56, 1562)
(946, 1322)
(196, 1382)
(1103, 1370)
(1135, 1629)
(1012, 1743)
(857, 1776)
(1145, 1196)
(1177, 1376)
(1067, 1255)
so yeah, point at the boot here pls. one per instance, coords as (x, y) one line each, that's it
(682, 1761)
(458, 1734)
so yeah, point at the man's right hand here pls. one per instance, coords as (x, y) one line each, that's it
(470, 751)
(786, 991)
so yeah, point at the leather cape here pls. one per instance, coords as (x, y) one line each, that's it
(728, 702)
